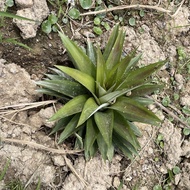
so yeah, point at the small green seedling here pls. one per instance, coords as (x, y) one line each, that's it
(176, 96)
(186, 131)
(49, 24)
(86, 4)
(166, 101)
(132, 21)
(141, 13)
(160, 140)
(181, 53)
(74, 13)
(97, 30)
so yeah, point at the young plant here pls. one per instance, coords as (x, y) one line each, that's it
(104, 94)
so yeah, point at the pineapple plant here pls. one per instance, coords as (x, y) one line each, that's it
(105, 94)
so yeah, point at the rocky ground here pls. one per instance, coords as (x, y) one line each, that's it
(24, 113)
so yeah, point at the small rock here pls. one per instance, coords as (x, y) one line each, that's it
(186, 149)
(2, 184)
(2, 5)
(163, 169)
(24, 3)
(172, 143)
(180, 80)
(116, 182)
(38, 12)
(144, 188)
(177, 178)
(180, 19)
(185, 101)
(45, 114)
(58, 160)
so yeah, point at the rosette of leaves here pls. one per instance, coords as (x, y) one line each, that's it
(104, 95)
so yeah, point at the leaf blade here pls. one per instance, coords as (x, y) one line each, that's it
(81, 60)
(89, 107)
(72, 107)
(86, 80)
(104, 122)
(133, 111)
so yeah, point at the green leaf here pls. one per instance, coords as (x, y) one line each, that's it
(68, 88)
(176, 170)
(146, 89)
(74, 13)
(72, 107)
(86, 4)
(97, 21)
(141, 13)
(15, 42)
(97, 30)
(86, 80)
(9, 3)
(132, 21)
(186, 110)
(10, 15)
(81, 60)
(157, 187)
(51, 93)
(91, 134)
(2, 174)
(111, 42)
(69, 129)
(104, 122)
(91, 53)
(102, 146)
(60, 74)
(91, 153)
(126, 66)
(186, 131)
(52, 18)
(143, 101)
(112, 96)
(46, 26)
(110, 152)
(122, 128)
(135, 129)
(89, 108)
(100, 90)
(166, 101)
(139, 75)
(100, 68)
(115, 54)
(120, 143)
(61, 124)
(133, 111)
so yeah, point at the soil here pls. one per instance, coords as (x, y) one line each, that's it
(23, 119)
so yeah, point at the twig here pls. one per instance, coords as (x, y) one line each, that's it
(178, 9)
(23, 106)
(39, 146)
(170, 113)
(160, 9)
(69, 164)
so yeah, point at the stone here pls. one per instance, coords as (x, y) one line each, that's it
(38, 12)
(172, 143)
(58, 160)
(185, 100)
(13, 89)
(24, 3)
